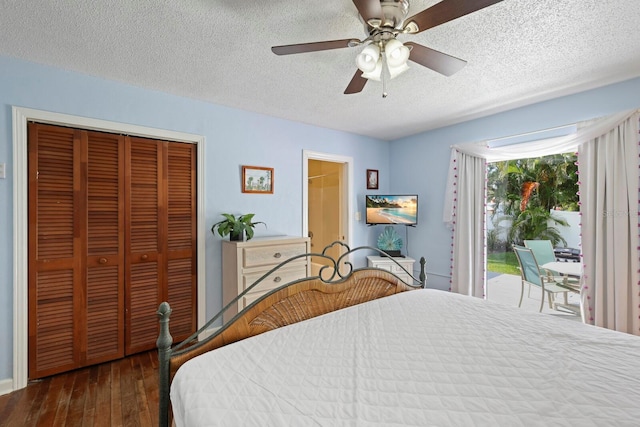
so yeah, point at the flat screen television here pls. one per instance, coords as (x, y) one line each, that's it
(400, 209)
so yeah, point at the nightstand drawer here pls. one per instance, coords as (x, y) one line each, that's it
(271, 255)
(383, 266)
(398, 268)
(390, 265)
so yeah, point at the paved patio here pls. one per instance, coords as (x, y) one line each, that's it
(505, 289)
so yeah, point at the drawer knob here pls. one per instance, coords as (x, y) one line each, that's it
(102, 260)
(144, 257)
(277, 255)
(277, 279)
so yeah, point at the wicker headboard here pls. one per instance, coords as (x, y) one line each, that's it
(291, 303)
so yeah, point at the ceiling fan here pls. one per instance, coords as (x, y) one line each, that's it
(384, 56)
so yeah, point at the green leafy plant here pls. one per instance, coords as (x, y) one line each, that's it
(554, 177)
(536, 223)
(236, 227)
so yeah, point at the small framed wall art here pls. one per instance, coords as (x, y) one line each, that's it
(372, 179)
(257, 179)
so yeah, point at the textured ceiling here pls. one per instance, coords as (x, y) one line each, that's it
(518, 52)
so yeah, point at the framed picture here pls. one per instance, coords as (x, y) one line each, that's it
(256, 179)
(372, 179)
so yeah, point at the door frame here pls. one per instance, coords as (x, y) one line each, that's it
(347, 190)
(21, 222)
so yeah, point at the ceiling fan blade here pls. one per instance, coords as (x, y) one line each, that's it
(369, 9)
(356, 84)
(435, 60)
(445, 11)
(311, 47)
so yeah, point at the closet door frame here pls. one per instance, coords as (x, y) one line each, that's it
(21, 116)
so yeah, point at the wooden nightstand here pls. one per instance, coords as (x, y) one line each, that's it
(388, 264)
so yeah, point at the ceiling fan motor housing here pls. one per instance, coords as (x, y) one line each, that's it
(394, 13)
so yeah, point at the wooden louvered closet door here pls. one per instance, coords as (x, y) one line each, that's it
(111, 235)
(181, 239)
(76, 268)
(161, 246)
(144, 246)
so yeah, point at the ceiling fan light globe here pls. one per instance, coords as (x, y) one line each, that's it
(375, 73)
(396, 71)
(367, 59)
(366, 63)
(397, 54)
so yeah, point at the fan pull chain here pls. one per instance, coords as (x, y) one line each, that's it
(385, 72)
(384, 87)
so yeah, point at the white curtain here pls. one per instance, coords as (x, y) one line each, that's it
(466, 189)
(609, 198)
(468, 275)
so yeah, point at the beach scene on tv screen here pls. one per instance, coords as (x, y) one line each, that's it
(392, 209)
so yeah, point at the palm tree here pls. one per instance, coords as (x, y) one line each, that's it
(533, 223)
(526, 190)
(556, 177)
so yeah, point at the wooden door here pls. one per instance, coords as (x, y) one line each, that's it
(161, 248)
(181, 239)
(75, 249)
(104, 269)
(112, 234)
(145, 246)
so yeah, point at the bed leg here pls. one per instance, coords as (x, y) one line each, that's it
(164, 355)
(423, 276)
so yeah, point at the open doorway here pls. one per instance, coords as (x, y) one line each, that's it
(326, 203)
(530, 200)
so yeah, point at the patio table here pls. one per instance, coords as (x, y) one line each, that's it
(573, 269)
(568, 269)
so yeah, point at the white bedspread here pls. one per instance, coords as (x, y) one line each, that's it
(419, 358)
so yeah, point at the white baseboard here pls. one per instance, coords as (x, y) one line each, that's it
(6, 386)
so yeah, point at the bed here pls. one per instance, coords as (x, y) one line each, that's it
(332, 354)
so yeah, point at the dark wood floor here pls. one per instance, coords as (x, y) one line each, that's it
(120, 393)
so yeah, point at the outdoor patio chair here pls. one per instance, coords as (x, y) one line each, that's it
(543, 251)
(533, 275)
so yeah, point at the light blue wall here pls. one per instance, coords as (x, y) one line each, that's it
(233, 138)
(420, 163)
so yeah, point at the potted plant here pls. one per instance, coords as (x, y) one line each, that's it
(236, 227)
